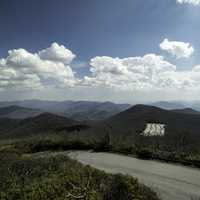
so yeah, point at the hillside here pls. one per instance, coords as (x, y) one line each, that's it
(42, 124)
(136, 118)
(17, 112)
(48, 175)
(7, 125)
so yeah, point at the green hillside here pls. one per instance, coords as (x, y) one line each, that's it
(46, 176)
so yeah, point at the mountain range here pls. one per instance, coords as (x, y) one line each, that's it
(78, 110)
(171, 105)
(134, 119)
(84, 110)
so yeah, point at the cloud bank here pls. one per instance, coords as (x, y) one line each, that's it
(177, 49)
(51, 68)
(193, 2)
(150, 72)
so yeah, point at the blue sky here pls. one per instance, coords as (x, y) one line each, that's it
(90, 28)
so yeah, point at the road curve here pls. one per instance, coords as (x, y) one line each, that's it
(171, 182)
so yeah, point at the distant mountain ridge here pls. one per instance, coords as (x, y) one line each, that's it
(187, 111)
(17, 112)
(173, 105)
(78, 110)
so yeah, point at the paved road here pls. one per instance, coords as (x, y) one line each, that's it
(171, 182)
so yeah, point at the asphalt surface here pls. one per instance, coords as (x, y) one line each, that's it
(171, 182)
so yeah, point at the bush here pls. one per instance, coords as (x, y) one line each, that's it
(144, 154)
(47, 175)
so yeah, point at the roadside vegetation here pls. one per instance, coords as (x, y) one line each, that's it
(180, 148)
(177, 148)
(29, 173)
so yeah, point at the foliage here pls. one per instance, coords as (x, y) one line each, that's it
(48, 175)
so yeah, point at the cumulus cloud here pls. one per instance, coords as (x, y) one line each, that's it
(178, 49)
(150, 72)
(193, 2)
(49, 67)
(57, 53)
(196, 68)
(127, 73)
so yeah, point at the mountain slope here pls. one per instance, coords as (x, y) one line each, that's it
(6, 125)
(42, 124)
(17, 112)
(136, 118)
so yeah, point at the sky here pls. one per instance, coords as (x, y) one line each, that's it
(121, 51)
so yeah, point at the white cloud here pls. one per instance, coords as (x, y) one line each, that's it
(22, 70)
(25, 70)
(150, 72)
(128, 73)
(57, 53)
(193, 2)
(196, 68)
(178, 49)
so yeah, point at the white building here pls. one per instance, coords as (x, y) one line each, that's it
(154, 129)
